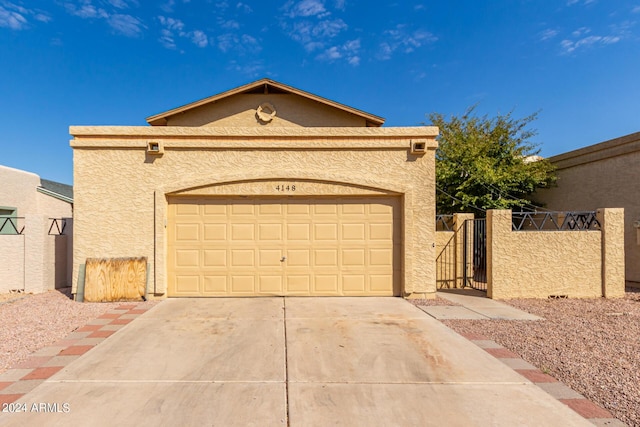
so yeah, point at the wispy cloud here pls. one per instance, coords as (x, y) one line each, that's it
(581, 32)
(251, 69)
(171, 23)
(636, 9)
(167, 6)
(318, 25)
(16, 17)
(126, 25)
(42, 17)
(306, 8)
(228, 24)
(316, 35)
(570, 46)
(86, 10)
(120, 23)
(548, 34)
(12, 19)
(583, 2)
(122, 4)
(239, 44)
(244, 7)
(349, 51)
(583, 38)
(173, 28)
(402, 39)
(199, 38)
(310, 23)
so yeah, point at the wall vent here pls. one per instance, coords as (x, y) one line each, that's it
(155, 147)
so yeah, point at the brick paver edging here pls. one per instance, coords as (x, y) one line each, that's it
(549, 384)
(44, 363)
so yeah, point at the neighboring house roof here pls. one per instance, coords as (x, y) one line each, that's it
(265, 86)
(596, 152)
(57, 190)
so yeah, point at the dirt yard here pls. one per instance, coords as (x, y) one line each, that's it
(31, 322)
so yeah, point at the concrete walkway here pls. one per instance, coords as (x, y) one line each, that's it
(474, 305)
(289, 361)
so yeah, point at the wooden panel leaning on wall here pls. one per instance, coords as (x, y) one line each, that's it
(115, 279)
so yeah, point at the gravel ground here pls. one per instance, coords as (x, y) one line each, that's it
(593, 346)
(31, 322)
(432, 302)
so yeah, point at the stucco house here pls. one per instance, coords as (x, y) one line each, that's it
(35, 251)
(600, 176)
(261, 190)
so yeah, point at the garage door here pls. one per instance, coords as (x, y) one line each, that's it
(283, 246)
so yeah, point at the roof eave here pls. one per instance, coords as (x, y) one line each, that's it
(54, 195)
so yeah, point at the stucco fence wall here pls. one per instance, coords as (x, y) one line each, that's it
(36, 261)
(542, 264)
(602, 175)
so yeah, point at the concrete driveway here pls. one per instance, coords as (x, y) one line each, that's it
(290, 361)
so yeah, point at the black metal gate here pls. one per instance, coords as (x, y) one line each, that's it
(446, 253)
(475, 254)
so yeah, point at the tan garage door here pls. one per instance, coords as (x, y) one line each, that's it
(283, 246)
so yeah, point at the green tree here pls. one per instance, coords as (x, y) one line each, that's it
(487, 163)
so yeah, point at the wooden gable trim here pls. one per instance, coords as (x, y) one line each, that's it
(162, 118)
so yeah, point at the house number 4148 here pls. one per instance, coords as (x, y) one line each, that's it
(286, 187)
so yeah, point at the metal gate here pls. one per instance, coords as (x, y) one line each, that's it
(475, 254)
(446, 253)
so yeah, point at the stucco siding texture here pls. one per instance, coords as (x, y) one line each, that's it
(121, 194)
(604, 183)
(539, 264)
(291, 110)
(34, 261)
(52, 207)
(18, 190)
(11, 263)
(443, 239)
(613, 256)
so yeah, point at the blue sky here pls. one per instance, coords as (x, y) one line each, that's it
(115, 62)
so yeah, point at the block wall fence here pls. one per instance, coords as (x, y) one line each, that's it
(541, 264)
(36, 261)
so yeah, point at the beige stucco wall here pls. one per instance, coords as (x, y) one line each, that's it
(539, 264)
(291, 110)
(52, 207)
(121, 211)
(613, 252)
(11, 262)
(604, 175)
(19, 190)
(34, 261)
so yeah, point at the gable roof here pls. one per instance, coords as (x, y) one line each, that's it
(264, 86)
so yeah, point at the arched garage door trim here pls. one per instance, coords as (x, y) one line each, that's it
(405, 191)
